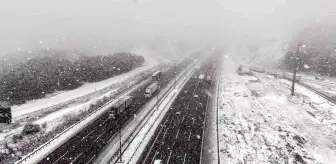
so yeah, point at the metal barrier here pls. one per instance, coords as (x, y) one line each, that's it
(318, 92)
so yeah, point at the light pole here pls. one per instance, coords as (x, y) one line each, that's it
(120, 146)
(295, 68)
(175, 75)
(157, 94)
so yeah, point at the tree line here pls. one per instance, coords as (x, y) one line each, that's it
(44, 75)
(317, 52)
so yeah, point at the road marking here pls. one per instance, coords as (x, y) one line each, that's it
(185, 155)
(178, 131)
(105, 120)
(60, 157)
(87, 135)
(76, 157)
(99, 136)
(189, 136)
(169, 156)
(183, 118)
(154, 157)
(165, 133)
(90, 159)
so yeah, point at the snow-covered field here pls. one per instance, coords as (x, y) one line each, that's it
(273, 127)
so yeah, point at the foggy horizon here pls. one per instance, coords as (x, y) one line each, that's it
(168, 81)
(40, 24)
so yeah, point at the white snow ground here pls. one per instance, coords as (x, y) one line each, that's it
(273, 127)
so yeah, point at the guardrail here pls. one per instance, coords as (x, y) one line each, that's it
(40, 148)
(135, 132)
(318, 92)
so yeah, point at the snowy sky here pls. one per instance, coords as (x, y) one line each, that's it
(40, 23)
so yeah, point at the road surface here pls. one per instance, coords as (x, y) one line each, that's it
(179, 138)
(85, 146)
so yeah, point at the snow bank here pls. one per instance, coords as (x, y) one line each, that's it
(275, 127)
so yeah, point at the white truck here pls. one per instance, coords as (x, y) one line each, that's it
(151, 89)
(290, 76)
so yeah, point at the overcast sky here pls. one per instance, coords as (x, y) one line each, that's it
(39, 23)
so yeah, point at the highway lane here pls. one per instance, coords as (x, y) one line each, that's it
(87, 144)
(179, 138)
(210, 143)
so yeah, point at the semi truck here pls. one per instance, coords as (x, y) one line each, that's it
(120, 106)
(151, 89)
(290, 76)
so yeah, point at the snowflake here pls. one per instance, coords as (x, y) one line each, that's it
(306, 66)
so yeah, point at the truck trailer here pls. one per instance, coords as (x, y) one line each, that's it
(151, 89)
(119, 107)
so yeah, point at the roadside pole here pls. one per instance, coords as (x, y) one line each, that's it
(295, 69)
(120, 144)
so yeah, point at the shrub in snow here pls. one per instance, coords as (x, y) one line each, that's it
(16, 137)
(30, 129)
(44, 125)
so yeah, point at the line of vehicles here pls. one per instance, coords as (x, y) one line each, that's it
(124, 103)
(201, 76)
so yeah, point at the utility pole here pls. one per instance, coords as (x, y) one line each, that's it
(295, 68)
(175, 75)
(120, 152)
(157, 94)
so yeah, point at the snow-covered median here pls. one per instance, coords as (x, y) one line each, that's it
(274, 127)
